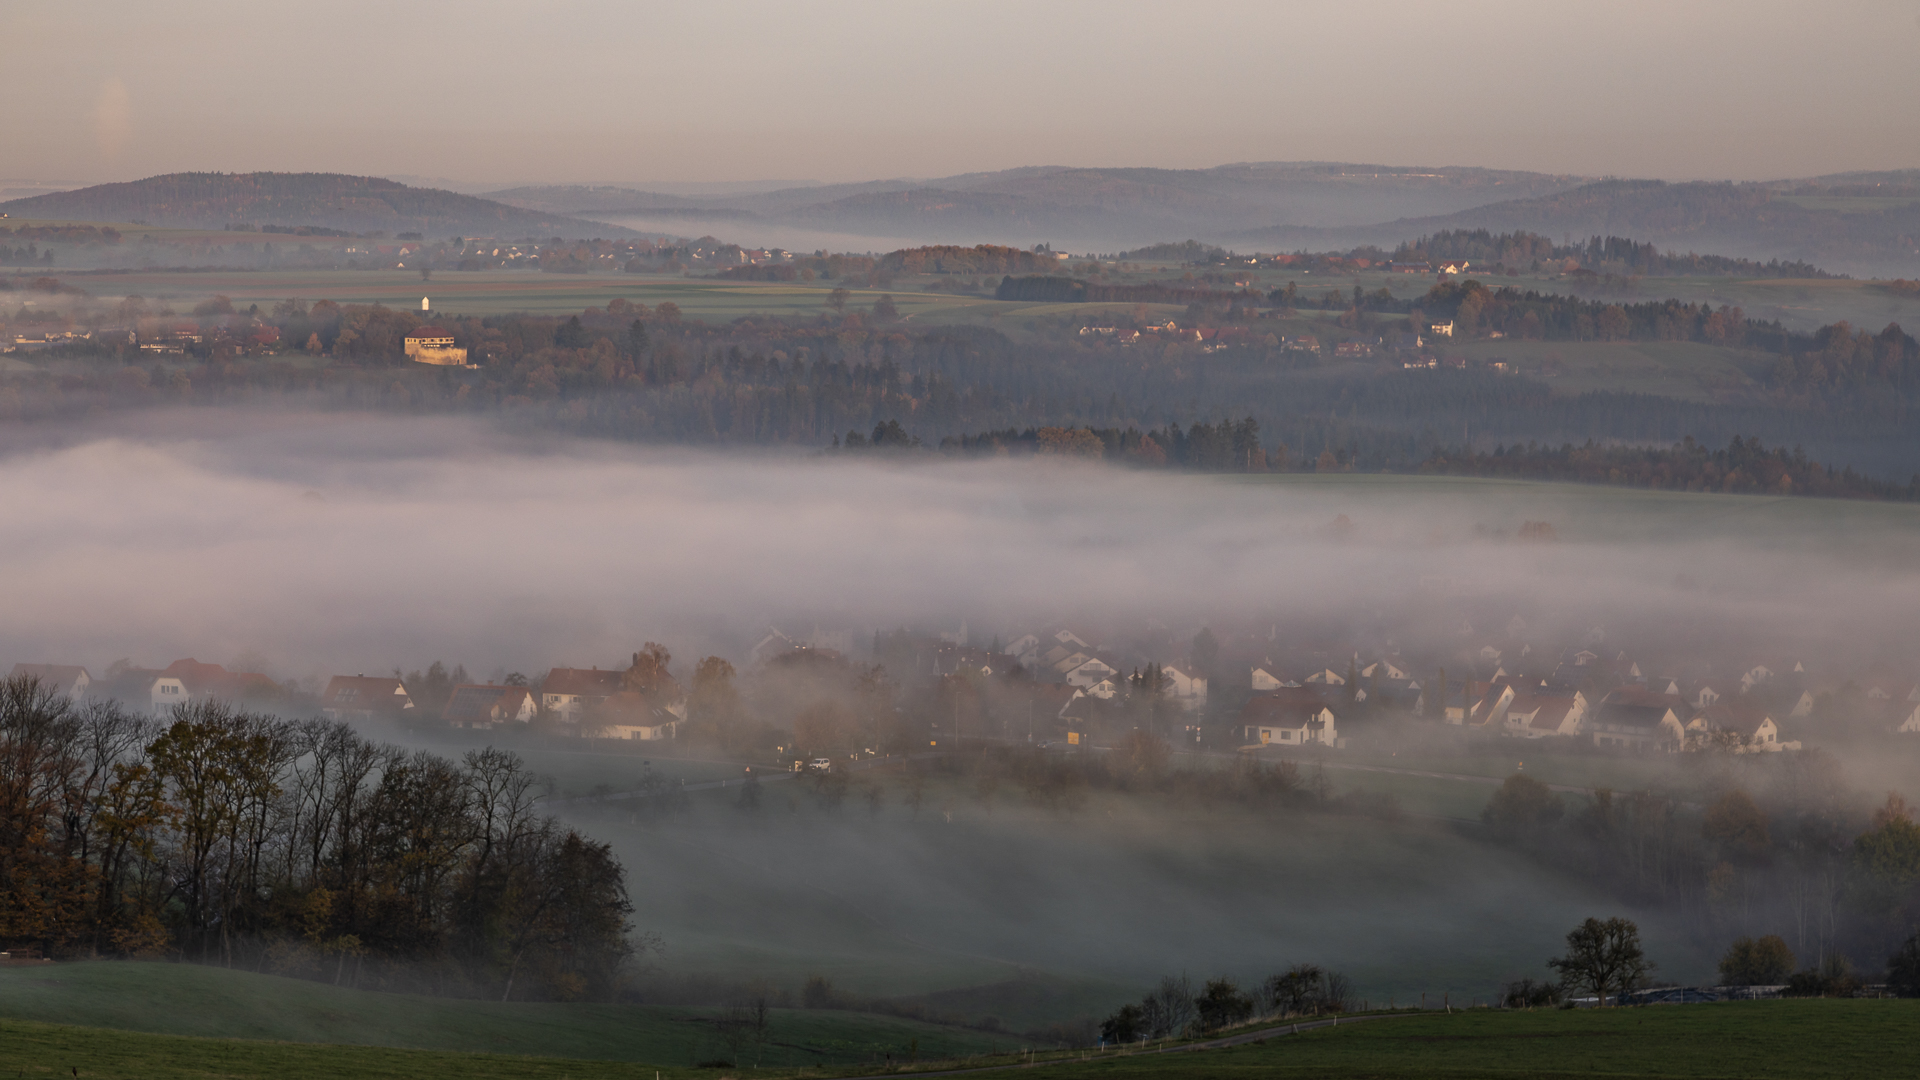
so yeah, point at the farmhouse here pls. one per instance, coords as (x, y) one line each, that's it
(1453, 266)
(434, 345)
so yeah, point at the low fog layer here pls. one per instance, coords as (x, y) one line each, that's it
(333, 543)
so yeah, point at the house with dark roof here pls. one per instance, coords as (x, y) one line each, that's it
(630, 714)
(65, 680)
(482, 706)
(365, 697)
(1289, 716)
(1638, 718)
(569, 692)
(1541, 713)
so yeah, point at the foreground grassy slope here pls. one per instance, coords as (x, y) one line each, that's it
(1778, 1040)
(186, 999)
(1764, 1040)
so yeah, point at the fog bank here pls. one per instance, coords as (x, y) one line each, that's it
(330, 543)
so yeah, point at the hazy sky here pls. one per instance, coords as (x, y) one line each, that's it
(630, 90)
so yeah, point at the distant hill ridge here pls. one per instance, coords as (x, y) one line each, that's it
(211, 200)
(1085, 208)
(1748, 220)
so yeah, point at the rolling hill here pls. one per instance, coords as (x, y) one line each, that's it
(1082, 208)
(1755, 221)
(332, 200)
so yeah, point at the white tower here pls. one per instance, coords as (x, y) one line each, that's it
(423, 305)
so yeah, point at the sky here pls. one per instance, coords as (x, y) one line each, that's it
(629, 91)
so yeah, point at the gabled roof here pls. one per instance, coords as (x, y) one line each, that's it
(61, 677)
(366, 693)
(428, 332)
(1639, 707)
(484, 703)
(1543, 711)
(1734, 714)
(1289, 706)
(581, 682)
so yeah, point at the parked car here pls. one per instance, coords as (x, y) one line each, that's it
(821, 764)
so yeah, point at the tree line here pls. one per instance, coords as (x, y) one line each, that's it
(1618, 255)
(1746, 466)
(1785, 852)
(234, 838)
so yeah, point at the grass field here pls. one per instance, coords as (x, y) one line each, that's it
(1679, 369)
(1770, 1040)
(496, 292)
(187, 999)
(1761, 1040)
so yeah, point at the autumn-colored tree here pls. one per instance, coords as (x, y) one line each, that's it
(1070, 442)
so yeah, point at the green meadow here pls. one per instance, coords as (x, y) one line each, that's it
(208, 1002)
(1758, 1040)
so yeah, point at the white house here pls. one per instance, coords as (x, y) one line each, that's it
(1264, 681)
(1184, 686)
(1290, 716)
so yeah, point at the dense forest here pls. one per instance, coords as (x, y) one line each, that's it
(300, 847)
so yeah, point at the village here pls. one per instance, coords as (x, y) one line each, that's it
(799, 693)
